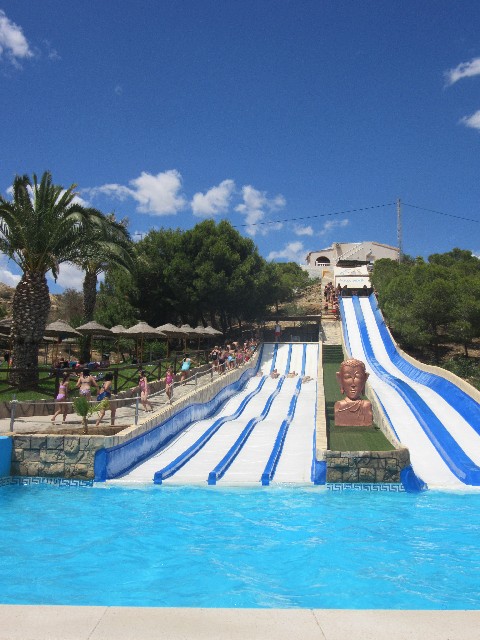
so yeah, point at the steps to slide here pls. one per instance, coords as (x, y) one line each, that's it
(444, 446)
(266, 402)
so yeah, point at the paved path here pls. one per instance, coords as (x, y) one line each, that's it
(20, 622)
(125, 416)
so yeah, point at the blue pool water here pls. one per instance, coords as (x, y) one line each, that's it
(275, 547)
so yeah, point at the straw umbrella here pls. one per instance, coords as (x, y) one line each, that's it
(117, 331)
(143, 330)
(60, 330)
(94, 330)
(171, 331)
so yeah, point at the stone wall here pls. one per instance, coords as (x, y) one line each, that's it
(365, 466)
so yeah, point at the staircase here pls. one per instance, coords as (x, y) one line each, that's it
(332, 353)
(331, 332)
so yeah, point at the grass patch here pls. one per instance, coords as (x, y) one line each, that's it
(347, 438)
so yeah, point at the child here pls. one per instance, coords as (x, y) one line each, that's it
(186, 364)
(169, 382)
(144, 391)
(62, 398)
(104, 398)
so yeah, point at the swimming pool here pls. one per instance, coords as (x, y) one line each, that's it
(210, 547)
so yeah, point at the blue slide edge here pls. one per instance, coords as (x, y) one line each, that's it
(219, 471)
(188, 454)
(113, 462)
(452, 454)
(464, 404)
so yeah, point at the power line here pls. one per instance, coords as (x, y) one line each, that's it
(441, 213)
(319, 215)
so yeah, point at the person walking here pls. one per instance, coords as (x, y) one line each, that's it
(106, 404)
(85, 383)
(62, 398)
(278, 332)
(169, 382)
(144, 391)
(185, 368)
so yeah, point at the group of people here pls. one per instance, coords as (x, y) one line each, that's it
(85, 383)
(222, 359)
(231, 355)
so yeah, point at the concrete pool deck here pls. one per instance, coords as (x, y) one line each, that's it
(22, 622)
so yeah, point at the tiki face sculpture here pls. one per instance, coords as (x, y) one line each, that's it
(352, 411)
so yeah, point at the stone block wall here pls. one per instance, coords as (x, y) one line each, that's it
(365, 466)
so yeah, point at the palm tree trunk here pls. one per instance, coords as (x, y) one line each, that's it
(89, 302)
(30, 307)
(89, 295)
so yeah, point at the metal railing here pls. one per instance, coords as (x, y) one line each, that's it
(127, 409)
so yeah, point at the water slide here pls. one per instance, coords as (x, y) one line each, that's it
(436, 420)
(263, 434)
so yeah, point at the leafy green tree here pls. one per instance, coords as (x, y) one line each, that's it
(41, 227)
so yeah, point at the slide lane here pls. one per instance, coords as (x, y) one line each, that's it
(465, 433)
(416, 415)
(197, 468)
(250, 462)
(295, 462)
(428, 465)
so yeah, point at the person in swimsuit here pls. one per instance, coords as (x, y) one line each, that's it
(62, 398)
(169, 382)
(185, 368)
(85, 383)
(105, 402)
(144, 391)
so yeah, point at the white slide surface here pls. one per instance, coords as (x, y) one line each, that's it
(296, 460)
(426, 460)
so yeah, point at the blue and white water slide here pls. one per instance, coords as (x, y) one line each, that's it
(436, 420)
(263, 434)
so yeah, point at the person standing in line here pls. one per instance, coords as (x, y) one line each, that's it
(85, 383)
(185, 368)
(105, 402)
(169, 383)
(144, 391)
(62, 398)
(278, 332)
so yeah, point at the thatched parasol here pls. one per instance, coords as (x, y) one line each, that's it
(171, 331)
(143, 330)
(60, 329)
(94, 329)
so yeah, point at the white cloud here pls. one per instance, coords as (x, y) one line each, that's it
(157, 195)
(69, 277)
(254, 208)
(333, 224)
(472, 121)
(464, 70)
(6, 276)
(215, 201)
(302, 231)
(13, 43)
(292, 252)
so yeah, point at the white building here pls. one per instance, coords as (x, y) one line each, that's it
(320, 264)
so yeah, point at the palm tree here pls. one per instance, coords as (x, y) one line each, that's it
(41, 227)
(110, 245)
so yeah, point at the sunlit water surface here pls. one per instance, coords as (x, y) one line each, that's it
(212, 547)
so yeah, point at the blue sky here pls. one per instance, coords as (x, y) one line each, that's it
(273, 114)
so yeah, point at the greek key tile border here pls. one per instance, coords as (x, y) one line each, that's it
(54, 482)
(366, 486)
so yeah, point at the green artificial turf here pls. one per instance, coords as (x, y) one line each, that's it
(346, 438)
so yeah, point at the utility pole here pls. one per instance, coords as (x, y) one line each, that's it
(399, 230)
